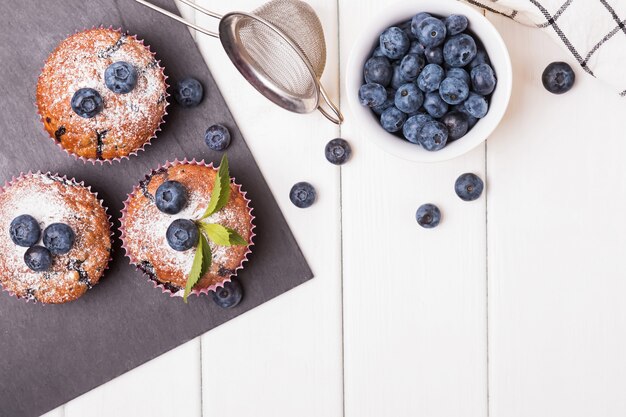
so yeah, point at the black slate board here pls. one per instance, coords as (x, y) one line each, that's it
(51, 354)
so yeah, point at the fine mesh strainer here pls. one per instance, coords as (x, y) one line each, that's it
(279, 48)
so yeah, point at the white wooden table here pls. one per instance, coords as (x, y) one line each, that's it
(512, 307)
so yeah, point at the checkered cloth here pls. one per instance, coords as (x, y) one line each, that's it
(594, 31)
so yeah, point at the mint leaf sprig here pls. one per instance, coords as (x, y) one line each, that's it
(220, 235)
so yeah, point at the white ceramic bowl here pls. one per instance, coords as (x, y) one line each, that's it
(368, 122)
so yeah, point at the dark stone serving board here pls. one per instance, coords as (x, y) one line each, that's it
(50, 354)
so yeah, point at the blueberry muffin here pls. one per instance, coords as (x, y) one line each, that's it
(159, 210)
(55, 238)
(102, 94)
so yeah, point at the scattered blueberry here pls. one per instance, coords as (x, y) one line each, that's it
(558, 78)
(481, 58)
(413, 126)
(171, 197)
(229, 295)
(87, 103)
(431, 32)
(302, 195)
(428, 216)
(483, 79)
(337, 151)
(25, 230)
(434, 55)
(416, 48)
(459, 73)
(457, 124)
(453, 90)
(217, 137)
(410, 66)
(120, 77)
(394, 43)
(182, 235)
(38, 258)
(188, 92)
(456, 24)
(391, 96)
(468, 187)
(58, 238)
(476, 105)
(372, 94)
(433, 136)
(409, 98)
(459, 50)
(434, 105)
(430, 78)
(378, 70)
(392, 119)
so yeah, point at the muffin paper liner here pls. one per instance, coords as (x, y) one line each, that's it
(156, 131)
(73, 181)
(154, 280)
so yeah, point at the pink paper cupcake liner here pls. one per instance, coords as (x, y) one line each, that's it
(74, 182)
(165, 288)
(156, 131)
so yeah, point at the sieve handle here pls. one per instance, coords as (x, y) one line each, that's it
(181, 20)
(337, 117)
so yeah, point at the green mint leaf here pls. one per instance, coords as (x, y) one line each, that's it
(222, 236)
(221, 190)
(201, 264)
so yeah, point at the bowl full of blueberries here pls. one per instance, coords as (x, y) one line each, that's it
(429, 80)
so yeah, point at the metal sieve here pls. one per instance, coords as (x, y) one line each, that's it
(279, 48)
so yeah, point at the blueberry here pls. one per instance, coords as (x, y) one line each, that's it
(217, 137)
(416, 48)
(483, 79)
(229, 295)
(471, 120)
(476, 105)
(434, 105)
(391, 96)
(411, 65)
(397, 79)
(457, 125)
(558, 78)
(434, 55)
(378, 52)
(58, 238)
(409, 98)
(171, 197)
(459, 50)
(430, 78)
(416, 20)
(302, 195)
(392, 119)
(468, 187)
(413, 126)
(24, 230)
(431, 32)
(372, 94)
(38, 258)
(87, 103)
(459, 73)
(337, 151)
(456, 24)
(394, 43)
(453, 90)
(406, 27)
(481, 58)
(120, 77)
(433, 136)
(188, 92)
(428, 216)
(182, 235)
(378, 70)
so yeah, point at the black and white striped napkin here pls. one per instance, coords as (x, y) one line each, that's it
(594, 31)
